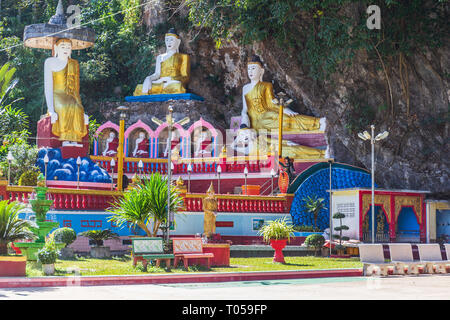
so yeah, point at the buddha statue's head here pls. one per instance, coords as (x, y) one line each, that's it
(112, 135)
(141, 135)
(172, 40)
(255, 69)
(63, 48)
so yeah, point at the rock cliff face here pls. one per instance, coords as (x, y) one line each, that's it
(414, 156)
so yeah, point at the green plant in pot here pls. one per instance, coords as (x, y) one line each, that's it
(47, 255)
(277, 233)
(12, 228)
(66, 236)
(98, 237)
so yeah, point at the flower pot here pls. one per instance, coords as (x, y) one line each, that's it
(13, 266)
(48, 269)
(278, 245)
(100, 252)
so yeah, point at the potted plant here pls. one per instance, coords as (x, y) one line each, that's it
(47, 256)
(315, 241)
(277, 233)
(98, 236)
(340, 248)
(12, 228)
(66, 236)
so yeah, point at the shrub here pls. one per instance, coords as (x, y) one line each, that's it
(315, 241)
(98, 236)
(306, 229)
(28, 178)
(65, 235)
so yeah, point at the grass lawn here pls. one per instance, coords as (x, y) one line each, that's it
(123, 266)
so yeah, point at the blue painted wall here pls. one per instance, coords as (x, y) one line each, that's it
(443, 223)
(315, 181)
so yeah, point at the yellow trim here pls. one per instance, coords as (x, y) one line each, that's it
(236, 197)
(345, 192)
(3, 182)
(66, 191)
(442, 206)
(13, 258)
(172, 34)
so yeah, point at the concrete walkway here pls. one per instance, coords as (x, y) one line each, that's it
(345, 288)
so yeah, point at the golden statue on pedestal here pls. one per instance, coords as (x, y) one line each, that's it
(210, 208)
(172, 70)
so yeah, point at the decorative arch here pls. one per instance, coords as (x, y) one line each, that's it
(131, 129)
(199, 124)
(104, 127)
(157, 135)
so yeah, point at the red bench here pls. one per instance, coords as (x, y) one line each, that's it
(189, 248)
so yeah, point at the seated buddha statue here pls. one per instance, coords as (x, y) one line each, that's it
(142, 146)
(62, 94)
(202, 144)
(112, 143)
(171, 72)
(260, 112)
(247, 142)
(173, 144)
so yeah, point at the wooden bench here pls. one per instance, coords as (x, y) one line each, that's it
(189, 248)
(147, 249)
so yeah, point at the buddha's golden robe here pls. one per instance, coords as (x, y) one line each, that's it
(70, 125)
(178, 68)
(264, 114)
(262, 145)
(209, 208)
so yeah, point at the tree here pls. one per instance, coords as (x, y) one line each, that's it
(315, 241)
(340, 228)
(314, 205)
(146, 202)
(12, 228)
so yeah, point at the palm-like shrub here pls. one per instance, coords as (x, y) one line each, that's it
(98, 236)
(276, 230)
(12, 228)
(146, 202)
(314, 205)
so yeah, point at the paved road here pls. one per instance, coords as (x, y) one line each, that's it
(361, 288)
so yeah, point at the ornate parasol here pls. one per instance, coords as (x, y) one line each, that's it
(44, 35)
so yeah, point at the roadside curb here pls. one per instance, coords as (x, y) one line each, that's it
(72, 281)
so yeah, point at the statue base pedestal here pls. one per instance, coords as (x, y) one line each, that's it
(46, 139)
(164, 97)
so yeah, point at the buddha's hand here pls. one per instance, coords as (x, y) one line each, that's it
(86, 119)
(289, 112)
(53, 117)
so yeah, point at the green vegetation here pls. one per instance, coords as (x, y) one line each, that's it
(65, 235)
(123, 266)
(48, 254)
(121, 58)
(315, 241)
(11, 227)
(98, 236)
(146, 202)
(276, 230)
(339, 229)
(314, 205)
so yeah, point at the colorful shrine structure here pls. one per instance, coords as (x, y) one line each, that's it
(82, 186)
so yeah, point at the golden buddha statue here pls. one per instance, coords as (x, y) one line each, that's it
(62, 93)
(210, 208)
(171, 72)
(260, 112)
(248, 143)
